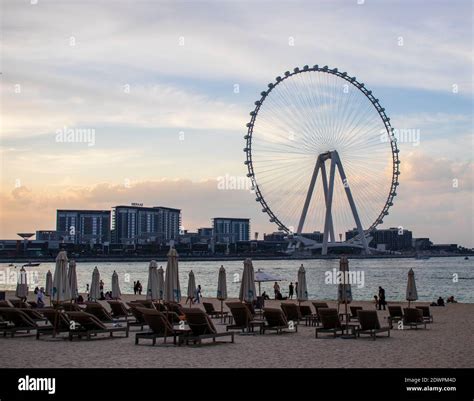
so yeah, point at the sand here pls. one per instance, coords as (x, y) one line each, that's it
(447, 343)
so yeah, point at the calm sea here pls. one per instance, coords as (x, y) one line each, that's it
(434, 277)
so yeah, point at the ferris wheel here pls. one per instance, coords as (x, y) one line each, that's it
(322, 155)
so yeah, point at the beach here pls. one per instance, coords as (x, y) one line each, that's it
(447, 343)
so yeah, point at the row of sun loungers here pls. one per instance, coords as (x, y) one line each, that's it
(92, 319)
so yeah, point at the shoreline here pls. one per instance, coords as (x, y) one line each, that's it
(94, 259)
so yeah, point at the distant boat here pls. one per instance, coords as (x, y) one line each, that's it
(466, 258)
(29, 264)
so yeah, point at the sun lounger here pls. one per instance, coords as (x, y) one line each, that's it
(70, 307)
(427, 316)
(119, 310)
(54, 317)
(243, 319)
(176, 308)
(369, 324)
(330, 322)
(96, 309)
(395, 314)
(86, 324)
(276, 320)
(32, 304)
(18, 303)
(17, 321)
(291, 311)
(212, 312)
(34, 314)
(201, 327)
(159, 325)
(159, 306)
(317, 306)
(5, 304)
(413, 318)
(144, 303)
(354, 310)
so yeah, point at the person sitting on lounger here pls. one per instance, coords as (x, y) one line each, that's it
(265, 295)
(440, 301)
(451, 300)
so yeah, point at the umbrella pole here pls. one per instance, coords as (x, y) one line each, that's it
(222, 309)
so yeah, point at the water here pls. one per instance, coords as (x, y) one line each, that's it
(434, 277)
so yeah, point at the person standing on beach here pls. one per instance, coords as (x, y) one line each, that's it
(382, 298)
(276, 289)
(198, 294)
(290, 291)
(139, 287)
(296, 288)
(101, 286)
(135, 287)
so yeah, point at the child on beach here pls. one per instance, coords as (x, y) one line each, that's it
(376, 301)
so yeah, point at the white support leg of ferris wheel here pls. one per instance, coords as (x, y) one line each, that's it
(328, 219)
(312, 183)
(332, 238)
(328, 189)
(351, 203)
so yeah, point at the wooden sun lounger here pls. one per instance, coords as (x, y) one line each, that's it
(58, 317)
(413, 317)
(395, 314)
(96, 309)
(427, 316)
(160, 327)
(34, 314)
(354, 310)
(330, 322)
(212, 312)
(18, 303)
(276, 320)
(316, 319)
(16, 321)
(201, 328)
(119, 310)
(88, 325)
(369, 324)
(291, 311)
(243, 319)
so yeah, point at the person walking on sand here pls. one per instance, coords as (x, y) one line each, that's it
(382, 301)
(135, 287)
(276, 289)
(139, 287)
(290, 291)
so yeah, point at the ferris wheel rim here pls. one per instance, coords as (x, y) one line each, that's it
(375, 103)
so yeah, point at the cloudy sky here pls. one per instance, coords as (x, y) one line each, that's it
(167, 86)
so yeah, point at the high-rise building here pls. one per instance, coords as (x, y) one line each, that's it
(83, 226)
(136, 224)
(390, 239)
(230, 230)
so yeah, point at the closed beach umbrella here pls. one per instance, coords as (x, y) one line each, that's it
(116, 294)
(72, 279)
(172, 287)
(222, 288)
(161, 283)
(412, 293)
(191, 288)
(61, 290)
(94, 293)
(247, 287)
(152, 287)
(344, 293)
(302, 291)
(49, 284)
(22, 284)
